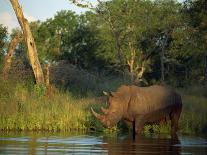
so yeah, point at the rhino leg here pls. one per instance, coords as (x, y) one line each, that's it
(137, 126)
(139, 123)
(174, 116)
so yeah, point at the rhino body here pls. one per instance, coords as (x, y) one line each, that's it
(142, 105)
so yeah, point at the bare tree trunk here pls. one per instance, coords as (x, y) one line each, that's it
(162, 57)
(136, 70)
(141, 71)
(50, 90)
(162, 65)
(205, 72)
(47, 75)
(32, 51)
(9, 55)
(131, 62)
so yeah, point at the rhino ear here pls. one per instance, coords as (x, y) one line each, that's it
(109, 94)
(113, 94)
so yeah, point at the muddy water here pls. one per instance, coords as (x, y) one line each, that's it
(76, 143)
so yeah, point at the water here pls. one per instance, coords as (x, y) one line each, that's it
(81, 144)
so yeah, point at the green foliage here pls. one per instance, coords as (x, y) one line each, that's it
(188, 47)
(53, 36)
(3, 42)
(84, 45)
(3, 36)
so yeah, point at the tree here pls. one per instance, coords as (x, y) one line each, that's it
(166, 20)
(125, 32)
(29, 40)
(53, 36)
(8, 58)
(84, 44)
(196, 17)
(3, 37)
(142, 31)
(188, 46)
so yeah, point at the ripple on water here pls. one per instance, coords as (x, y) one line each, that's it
(87, 144)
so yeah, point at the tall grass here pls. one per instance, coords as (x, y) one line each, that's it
(194, 114)
(24, 109)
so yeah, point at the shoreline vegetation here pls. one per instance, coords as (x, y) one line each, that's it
(26, 107)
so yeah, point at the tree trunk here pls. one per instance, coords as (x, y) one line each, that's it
(162, 57)
(50, 91)
(131, 62)
(141, 71)
(162, 65)
(47, 75)
(205, 72)
(32, 51)
(9, 55)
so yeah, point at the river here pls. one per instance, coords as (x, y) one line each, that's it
(81, 144)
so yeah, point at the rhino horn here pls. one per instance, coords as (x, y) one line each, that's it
(105, 111)
(105, 93)
(98, 116)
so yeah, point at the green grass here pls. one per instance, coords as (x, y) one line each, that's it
(194, 114)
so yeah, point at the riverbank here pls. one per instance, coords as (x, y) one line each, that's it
(29, 108)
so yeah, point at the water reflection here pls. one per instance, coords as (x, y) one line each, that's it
(93, 144)
(142, 145)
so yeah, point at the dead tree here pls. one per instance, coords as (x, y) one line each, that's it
(29, 40)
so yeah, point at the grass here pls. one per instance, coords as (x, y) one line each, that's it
(194, 114)
(26, 107)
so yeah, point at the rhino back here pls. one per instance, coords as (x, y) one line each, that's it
(148, 99)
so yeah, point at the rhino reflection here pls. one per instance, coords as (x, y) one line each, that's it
(142, 146)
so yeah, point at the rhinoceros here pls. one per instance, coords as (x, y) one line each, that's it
(142, 105)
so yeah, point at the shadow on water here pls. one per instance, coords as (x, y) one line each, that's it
(76, 143)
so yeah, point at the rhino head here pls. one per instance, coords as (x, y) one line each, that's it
(114, 113)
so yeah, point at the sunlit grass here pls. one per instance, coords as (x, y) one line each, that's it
(24, 110)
